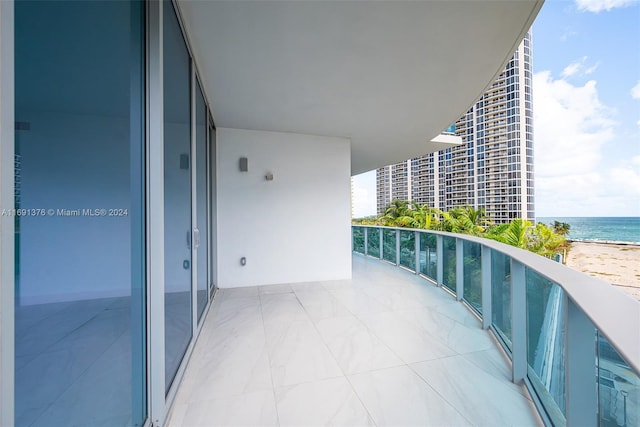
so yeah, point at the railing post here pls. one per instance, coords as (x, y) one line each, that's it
(581, 399)
(459, 269)
(366, 240)
(518, 322)
(417, 251)
(397, 247)
(439, 260)
(381, 245)
(487, 314)
(353, 243)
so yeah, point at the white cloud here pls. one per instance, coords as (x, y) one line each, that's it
(571, 129)
(635, 91)
(596, 6)
(591, 69)
(579, 68)
(571, 69)
(571, 125)
(626, 178)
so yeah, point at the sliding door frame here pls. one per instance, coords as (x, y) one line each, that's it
(155, 214)
(212, 206)
(160, 402)
(7, 225)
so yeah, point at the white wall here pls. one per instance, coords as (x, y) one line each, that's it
(295, 228)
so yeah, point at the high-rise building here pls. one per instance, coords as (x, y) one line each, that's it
(493, 168)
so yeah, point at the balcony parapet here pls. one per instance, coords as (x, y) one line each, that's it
(558, 326)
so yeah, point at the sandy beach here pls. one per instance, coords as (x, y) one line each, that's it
(616, 263)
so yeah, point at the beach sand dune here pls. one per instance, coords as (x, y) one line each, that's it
(616, 263)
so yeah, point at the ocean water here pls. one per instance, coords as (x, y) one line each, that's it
(617, 229)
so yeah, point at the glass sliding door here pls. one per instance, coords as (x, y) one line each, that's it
(177, 194)
(202, 294)
(80, 311)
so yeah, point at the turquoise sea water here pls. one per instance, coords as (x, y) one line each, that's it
(619, 229)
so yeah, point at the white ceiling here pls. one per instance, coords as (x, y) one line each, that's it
(390, 75)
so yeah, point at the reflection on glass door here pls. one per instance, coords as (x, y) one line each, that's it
(80, 308)
(177, 194)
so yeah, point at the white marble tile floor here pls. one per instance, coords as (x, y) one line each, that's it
(386, 348)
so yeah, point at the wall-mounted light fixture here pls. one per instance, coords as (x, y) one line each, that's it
(243, 164)
(269, 176)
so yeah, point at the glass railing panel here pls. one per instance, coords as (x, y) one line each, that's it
(501, 295)
(389, 245)
(545, 343)
(449, 262)
(618, 388)
(373, 242)
(408, 249)
(428, 256)
(358, 239)
(472, 282)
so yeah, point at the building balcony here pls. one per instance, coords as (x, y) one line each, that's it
(99, 315)
(478, 334)
(384, 348)
(578, 363)
(494, 109)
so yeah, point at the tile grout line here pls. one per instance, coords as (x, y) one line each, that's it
(344, 375)
(408, 365)
(273, 388)
(437, 392)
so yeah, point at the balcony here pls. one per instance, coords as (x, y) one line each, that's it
(578, 360)
(385, 348)
(496, 343)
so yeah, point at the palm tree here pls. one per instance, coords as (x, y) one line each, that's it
(477, 216)
(515, 234)
(541, 239)
(457, 220)
(427, 217)
(399, 213)
(561, 228)
(544, 241)
(447, 221)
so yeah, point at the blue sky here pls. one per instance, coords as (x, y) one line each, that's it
(586, 93)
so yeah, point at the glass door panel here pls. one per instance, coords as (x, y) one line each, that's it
(80, 311)
(201, 202)
(177, 194)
